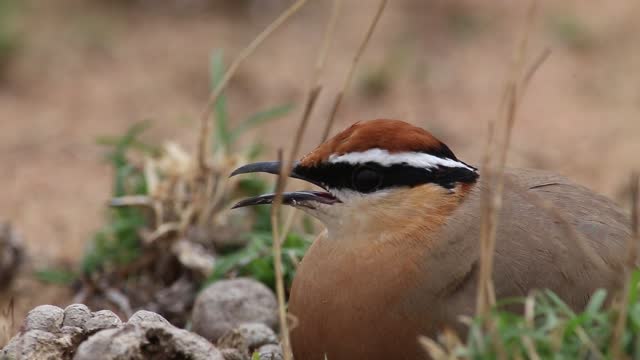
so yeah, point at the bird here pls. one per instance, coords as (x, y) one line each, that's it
(400, 253)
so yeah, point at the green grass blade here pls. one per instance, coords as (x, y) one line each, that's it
(258, 119)
(56, 276)
(221, 135)
(596, 302)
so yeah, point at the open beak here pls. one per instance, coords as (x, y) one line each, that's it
(296, 198)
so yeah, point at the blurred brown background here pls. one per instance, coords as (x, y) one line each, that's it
(73, 70)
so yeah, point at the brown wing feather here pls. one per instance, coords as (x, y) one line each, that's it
(552, 234)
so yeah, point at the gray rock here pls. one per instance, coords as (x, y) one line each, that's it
(72, 336)
(146, 340)
(42, 338)
(103, 319)
(99, 343)
(71, 330)
(36, 344)
(257, 334)
(234, 354)
(226, 304)
(76, 315)
(270, 352)
(44, 317)
(248, 337)
(146, 316)
(51, 333)
(176, 300)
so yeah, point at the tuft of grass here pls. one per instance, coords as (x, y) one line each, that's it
(56, 276)
(119, 242)
(11, 38)
(94, 32)
(256, 259)
(224, 137)
(376, 81)
(572, 32)
(462, 22)
(549, 329)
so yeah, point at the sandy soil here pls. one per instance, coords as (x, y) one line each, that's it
(88, 68)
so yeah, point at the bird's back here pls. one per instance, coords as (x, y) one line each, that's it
(576, 241)
(551, 234)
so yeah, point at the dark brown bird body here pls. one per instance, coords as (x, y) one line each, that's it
(359, 300)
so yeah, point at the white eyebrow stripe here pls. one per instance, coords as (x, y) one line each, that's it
(385, 158)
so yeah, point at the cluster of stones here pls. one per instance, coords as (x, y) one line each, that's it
(239, 316)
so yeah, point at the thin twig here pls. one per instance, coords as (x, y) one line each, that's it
(433, 348)
(494, 170)
(208, 109)
(7, 322)
(529, 313)
(621, 322)
(277, 262)
(285, 171)
(635, 219)
(314, 92)
(541, 59)
(288, 223)
(326, 41)
(131, 200)
(349, 78)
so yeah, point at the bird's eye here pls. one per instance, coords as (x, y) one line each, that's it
(366, 179)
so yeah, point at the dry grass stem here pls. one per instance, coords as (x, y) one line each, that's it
(533, 69)
(131, 200)
(623, 303)
(435, 350)
(327, 41)
(288, 222)
(493, 167)
(277, 263)
(208, 109)
(278, 237)
(7, 323)
(285, 170)
(635, 219)
(354, 64)
(593, 348)
(529, 313)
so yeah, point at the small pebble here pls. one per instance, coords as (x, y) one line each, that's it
(76, 315)
(103, 319)
(44, 317)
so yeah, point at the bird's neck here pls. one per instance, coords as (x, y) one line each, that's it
(404, 219)
(372, 270)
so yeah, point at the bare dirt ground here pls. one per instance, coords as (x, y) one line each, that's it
(91, 68)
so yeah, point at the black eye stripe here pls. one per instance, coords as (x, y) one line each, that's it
(341, 175)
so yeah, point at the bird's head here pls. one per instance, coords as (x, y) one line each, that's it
(374, 174)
